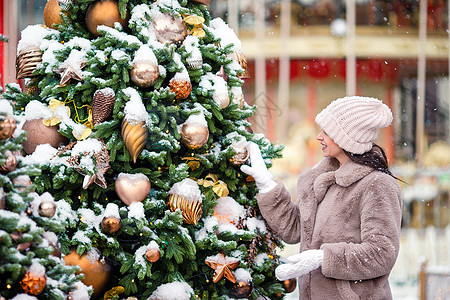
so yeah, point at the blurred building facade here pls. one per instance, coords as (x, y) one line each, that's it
(302, 54)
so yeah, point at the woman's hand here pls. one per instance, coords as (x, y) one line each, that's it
(258, 170)
(300, 264)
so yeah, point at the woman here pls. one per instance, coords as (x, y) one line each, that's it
(348, 214)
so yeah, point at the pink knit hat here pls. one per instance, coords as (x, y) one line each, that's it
(352, 122)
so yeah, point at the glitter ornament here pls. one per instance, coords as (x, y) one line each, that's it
(169, 29)
(7, 127)
(134, 137)
(102, 104)
(39, 134)
(33, 284)
(194, 61)
(111, 225)
(52, 12)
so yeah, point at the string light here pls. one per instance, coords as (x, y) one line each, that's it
(8, 286)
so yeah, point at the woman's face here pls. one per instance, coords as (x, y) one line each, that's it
(330, 148)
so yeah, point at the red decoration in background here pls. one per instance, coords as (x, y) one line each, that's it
(318, 68)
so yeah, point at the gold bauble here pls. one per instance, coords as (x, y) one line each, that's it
(289, 285)
(241, 289)
(191, 209)
(132, 187)
(181, 88)
(39, 134)
(22, 182)
(144, 74)
(169, 29)
(152, 255)
(10, 163)
(96, 273)
(134, 137)
(52, 13)
(103, 12)
(47, 209)
(241, 156)
(27, 61)
(222, 99)
(111, 225)
(7, 127)
(194, 135)
(33, 284)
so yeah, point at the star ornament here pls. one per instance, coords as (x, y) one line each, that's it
(223, 266)
(70, 69)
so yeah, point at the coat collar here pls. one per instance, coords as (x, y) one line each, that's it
(344, 176)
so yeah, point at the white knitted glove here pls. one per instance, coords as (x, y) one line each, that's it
(300, 264)
(263, 178)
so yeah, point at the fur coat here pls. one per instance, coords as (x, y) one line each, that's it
(351, 212)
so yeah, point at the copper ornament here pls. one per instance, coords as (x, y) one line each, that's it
(191, 209)
(104, 12)
(134, 137)
(33, 284)
(181, 88)
(96, 273)
(111, 225)
(52, 14)
(241, 289)
(152, 255)
(22, 182)
(102, 104)
(7, 127)
(240, 58)
(132, 187)
(194, 135)
(169, 29)
(39, 134)
(27, 61)
(10, 163)
(223, 267)
(289, 285)
(144, 74)
(70, 71)
(47, 209)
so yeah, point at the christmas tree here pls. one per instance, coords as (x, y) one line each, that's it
(135, 111)
(30, 258)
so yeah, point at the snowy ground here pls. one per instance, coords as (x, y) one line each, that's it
(399, 292)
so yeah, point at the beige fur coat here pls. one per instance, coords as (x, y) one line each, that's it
(354, 214)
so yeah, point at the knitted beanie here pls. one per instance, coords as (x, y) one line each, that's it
(352, 122)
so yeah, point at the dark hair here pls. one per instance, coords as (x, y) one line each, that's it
(374, 158)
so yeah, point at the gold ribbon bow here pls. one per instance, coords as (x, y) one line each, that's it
(219, 187)
(114, 292)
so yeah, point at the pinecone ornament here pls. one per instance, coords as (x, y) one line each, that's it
(181, 88)
(102, 104)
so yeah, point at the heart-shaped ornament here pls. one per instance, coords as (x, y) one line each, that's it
(132, 187)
